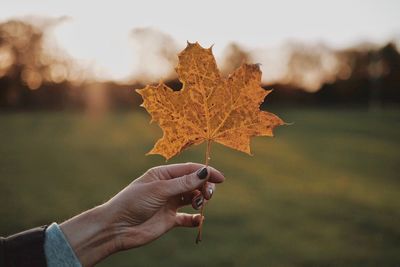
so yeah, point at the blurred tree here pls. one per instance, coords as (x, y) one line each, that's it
(234, 56)
(34, 75)
(24, 63)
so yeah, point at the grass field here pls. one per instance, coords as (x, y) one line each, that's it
(324, 192)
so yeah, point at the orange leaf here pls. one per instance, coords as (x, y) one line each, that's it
(209, 106)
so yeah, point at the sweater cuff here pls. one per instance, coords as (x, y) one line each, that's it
(57, 249)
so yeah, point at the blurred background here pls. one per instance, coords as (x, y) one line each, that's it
(323, 192)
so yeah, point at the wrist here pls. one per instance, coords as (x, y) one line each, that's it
(91, 235)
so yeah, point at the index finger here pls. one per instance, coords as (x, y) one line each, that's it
(172, 171)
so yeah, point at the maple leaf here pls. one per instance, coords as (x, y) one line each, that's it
(209, 107)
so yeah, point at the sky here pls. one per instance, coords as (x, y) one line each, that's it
(99, 33)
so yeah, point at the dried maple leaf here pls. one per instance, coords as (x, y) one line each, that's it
(209, 107)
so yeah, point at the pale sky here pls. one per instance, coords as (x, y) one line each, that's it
(99, 32)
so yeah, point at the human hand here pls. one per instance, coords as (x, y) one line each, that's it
(147, 208)
(143, 211)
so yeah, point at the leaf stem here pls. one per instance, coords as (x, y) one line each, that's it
(207, 160)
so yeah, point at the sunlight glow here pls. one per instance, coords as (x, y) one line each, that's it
(99, 33)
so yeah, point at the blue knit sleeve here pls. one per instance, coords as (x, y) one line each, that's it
(57, 249)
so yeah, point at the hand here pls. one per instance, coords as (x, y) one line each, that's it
(142, 212)
(147, 208)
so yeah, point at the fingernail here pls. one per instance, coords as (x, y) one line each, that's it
(202, 173)
(199, 202)
(210, 191)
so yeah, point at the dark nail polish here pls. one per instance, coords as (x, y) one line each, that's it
(199, 201)
(202, 173)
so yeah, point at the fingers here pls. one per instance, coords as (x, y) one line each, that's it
(196, 197)
(187, 198)
(180, 169)
(186, 183)
(206, 193)
(208, 190)
(177, 170)
(190, 182)
(187, 220)
(197, 201)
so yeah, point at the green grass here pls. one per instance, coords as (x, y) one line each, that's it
(323, 192)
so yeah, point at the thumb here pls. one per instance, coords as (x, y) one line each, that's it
(188, 182)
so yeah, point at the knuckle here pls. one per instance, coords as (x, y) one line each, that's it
(155, 173)
(152, 171)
